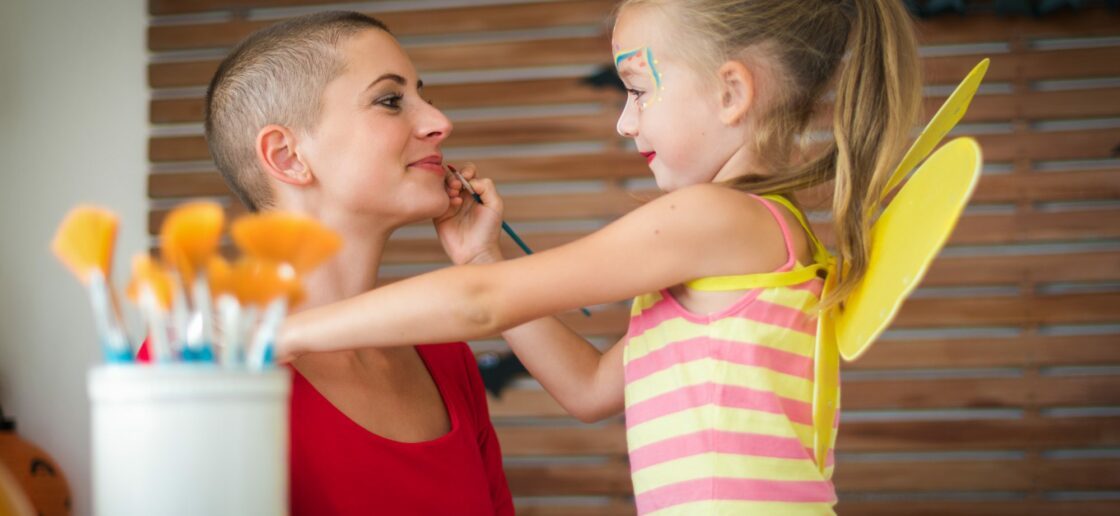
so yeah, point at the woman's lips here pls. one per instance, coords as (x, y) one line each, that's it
(432, 164)
(649, 156)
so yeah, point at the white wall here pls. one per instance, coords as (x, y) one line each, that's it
(73, 109)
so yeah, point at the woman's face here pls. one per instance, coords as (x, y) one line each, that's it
(375, 150)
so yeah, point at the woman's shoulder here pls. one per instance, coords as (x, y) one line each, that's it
(453, 359)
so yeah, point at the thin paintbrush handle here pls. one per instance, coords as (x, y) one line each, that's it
(516, 239)
(505, 227)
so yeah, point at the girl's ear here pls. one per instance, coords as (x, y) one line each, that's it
(736, 92)
(277, 154)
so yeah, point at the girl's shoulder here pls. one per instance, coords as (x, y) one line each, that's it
(744, 232)
(720, 208)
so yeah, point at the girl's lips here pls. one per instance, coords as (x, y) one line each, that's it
(649, 156)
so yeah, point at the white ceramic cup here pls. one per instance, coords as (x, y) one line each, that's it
(189, 439)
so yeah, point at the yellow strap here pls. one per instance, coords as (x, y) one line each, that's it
(749, 281)
(797, 276)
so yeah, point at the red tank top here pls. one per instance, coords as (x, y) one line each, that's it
(340, 468)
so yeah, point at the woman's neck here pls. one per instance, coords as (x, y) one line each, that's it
(353, 269)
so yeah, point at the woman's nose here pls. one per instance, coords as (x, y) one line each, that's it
(433, 124)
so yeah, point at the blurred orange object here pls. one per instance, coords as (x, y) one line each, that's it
(29, 476)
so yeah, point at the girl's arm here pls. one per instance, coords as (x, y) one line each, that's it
(698, 231)
(587, 383)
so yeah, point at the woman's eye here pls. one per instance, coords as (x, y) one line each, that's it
(391, 101)
(635, 93)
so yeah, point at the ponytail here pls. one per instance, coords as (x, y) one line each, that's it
(878, 98)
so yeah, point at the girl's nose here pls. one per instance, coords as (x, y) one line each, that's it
(627, 125)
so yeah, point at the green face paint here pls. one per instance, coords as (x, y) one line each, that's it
(642, 58)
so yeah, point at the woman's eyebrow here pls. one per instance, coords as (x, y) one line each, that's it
(388, 77)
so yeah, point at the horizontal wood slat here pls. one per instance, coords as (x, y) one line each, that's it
(1032, 351)
(459, 56)
(854, 477)
(1057, 145)
(444, 96)
(1033, 187)
(889, 436)
(1054, 64)
(453, 20)
(906, 394)
(599, 126)
(1042, 105)
(985, 508)
(878, 508)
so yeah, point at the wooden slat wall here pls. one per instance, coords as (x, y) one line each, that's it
(998, 389)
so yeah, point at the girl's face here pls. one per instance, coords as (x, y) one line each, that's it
(671, 115)
(376, 148)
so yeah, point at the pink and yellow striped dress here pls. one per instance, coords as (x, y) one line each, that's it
(719, 406)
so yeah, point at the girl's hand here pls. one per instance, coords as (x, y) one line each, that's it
(468, 230)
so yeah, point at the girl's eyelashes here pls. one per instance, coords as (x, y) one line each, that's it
(637, 94)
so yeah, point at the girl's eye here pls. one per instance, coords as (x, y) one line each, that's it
(637, 94)
(390, 101)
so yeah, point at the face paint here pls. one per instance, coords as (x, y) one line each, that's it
(643, 59)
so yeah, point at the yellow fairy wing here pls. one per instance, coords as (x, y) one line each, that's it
(905, 239)
(942, 122)
(826, 385)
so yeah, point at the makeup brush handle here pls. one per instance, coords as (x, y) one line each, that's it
(505, 227)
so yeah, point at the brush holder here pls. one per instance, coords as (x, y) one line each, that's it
(189, 439)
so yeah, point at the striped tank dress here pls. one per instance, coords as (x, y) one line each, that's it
(719, 406)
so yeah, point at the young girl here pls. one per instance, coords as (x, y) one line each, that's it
(716, 370)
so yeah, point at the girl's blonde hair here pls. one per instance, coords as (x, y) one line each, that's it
(867, 49)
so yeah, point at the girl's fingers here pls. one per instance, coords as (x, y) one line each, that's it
(489, 193)
(468, 170)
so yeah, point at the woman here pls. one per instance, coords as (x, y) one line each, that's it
(373, 431)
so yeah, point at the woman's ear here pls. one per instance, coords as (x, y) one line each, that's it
(277, 153)
(736, 92)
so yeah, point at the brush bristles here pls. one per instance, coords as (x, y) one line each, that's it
(220, 274)
(257, 281)
(190, 236)
(84, 241)
(149, 273)
(298, 241)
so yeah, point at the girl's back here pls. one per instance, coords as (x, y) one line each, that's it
(719, 404)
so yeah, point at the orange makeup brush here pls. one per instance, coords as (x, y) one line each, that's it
(152, 289)
(298, 244)
(263, 284)
(301, 242)
(230, 328)
(84, 243)
(189, 237)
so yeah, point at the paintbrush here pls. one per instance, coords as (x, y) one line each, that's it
(189, 237)
(263, 287)
(84, 244)
(151, 288)
(505, 227)
(284, 246)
